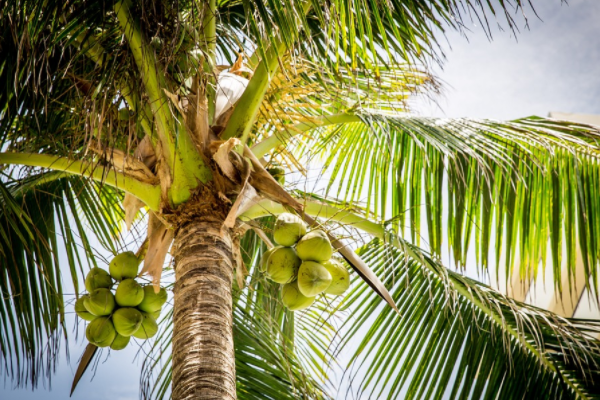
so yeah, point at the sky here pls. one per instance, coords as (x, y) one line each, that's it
(552, 66)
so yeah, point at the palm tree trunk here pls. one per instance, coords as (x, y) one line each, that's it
(203, 356)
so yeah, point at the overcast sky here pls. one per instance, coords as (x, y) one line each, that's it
(553, 66)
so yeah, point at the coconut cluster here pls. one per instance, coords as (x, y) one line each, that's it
(302, 263)
(115, 313)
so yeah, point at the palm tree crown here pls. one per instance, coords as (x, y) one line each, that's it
(175, 116)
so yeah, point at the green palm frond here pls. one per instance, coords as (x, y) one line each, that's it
(453, 337)
(75, 54)
(532, 179)
(303, 90)
(456, 338)
(358, 34)
(42, 216)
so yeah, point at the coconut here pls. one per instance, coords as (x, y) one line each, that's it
(124, 266)
(101, 332)
(283, 264)
(148, 329)
(314, 246)
(293, 299)
(100, 302)
(120, 342)
(97, 278)
(81, 311)
(127, 320)
(340, 278)
(278, 174)
(152, 301)
(155, 315)
(313, 278)
(289, 228)
(129, 293)
(265, 258)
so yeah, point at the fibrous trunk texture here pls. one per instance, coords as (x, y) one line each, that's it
(203, 355)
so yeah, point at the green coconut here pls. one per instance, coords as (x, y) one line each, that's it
(152, 301)
(129, 293)
(97, 278)
(127, 320)
(314, 246)
(283, 264)
(313, 278)
(124, 266)
(278, 174)
(289, 228)
(101, 332)
(120, 342)
(293, 299)
(81, 311)
(155, 315)
(265, 258)
(340, 278)
(100, 302)
(148, 329)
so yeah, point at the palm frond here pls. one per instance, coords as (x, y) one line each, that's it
(511, 187)
(42, 216)
(453, 337)
(39, 75)
(359, 34)
(303, 90)
(456, 338)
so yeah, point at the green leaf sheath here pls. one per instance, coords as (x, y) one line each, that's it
(181, 155)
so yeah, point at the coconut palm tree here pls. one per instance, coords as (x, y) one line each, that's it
(199, 122)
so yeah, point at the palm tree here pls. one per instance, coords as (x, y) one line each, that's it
(115, 111)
